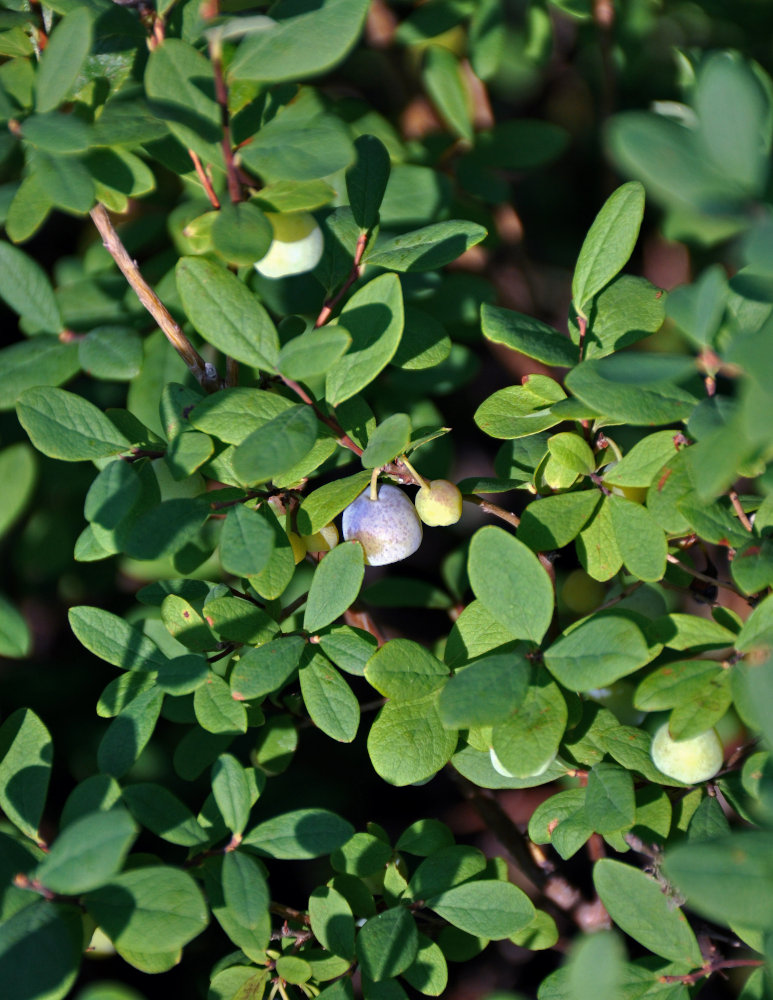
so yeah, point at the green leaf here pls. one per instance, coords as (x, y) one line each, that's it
(267, 668)
(334, 586)
(675, 683)
(425, 837)
(445, 869)
(88, 852)
(640, 405)
(526, 742)
(167, 528)
(42, 937)
(18, 471)
(374, 318)
(291, 148)
(626, 311)
(597, 544)
(704, 711)
(427, 249)
(424, 344)
(25, 287)
(241, 233)
(727, 879)
(303, 43)
(226, 313)
(161, 812)
(552, 522)
(276, 446)
(485, 908)
(113, 639)
(597, 652)
(640, 540)
(313, 353)
(181, 88)
(639, 466)
(485, 692)
(111, 352)
(415, 724)
(240, 878)
(129, 732)
(609, 243)
(66, 181)
(366, 180)
(681, 631)
(57, 133)
(216, 709)
(63, 57)
(362, 855)
(639, 906)
(231, 790)
(403, 670)
(733, 114)
(41, 361)
(65, 426)
(572, 452)
(595, 967)
(245, 893)
(510, 582)
(387, 944)
(326, 502)
(609, 798)
(528, 336)
(328, 698)
(155, 909)
(332, 922)
(246, 541)
(428, 973)
(520, 410)
(233, 414)
(15, 636)
(299, 835)
(25, 768)
(388, 440)
(445, 84)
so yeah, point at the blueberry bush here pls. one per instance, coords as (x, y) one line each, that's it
(272, 273)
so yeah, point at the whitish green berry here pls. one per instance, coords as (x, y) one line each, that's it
(297, 245)
(690, 761)
(439, 503)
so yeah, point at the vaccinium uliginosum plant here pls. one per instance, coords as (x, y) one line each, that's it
(264, 260)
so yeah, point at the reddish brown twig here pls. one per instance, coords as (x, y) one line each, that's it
(206, 183)
(329, 306)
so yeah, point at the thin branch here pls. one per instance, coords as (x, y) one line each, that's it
(341, 436)
(742, 516)
(235, 192)
(714, 966)
(491, 508)
(206, 183)
(329, 306)
(204, 373)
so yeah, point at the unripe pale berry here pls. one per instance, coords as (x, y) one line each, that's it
(297, 245)
(636, 493)
(323, 540)
(690, 761)
(388, 528)
(500, 768)
(439, 503)
(298, 546)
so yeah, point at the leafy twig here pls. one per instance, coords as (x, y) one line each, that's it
(206, 183)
